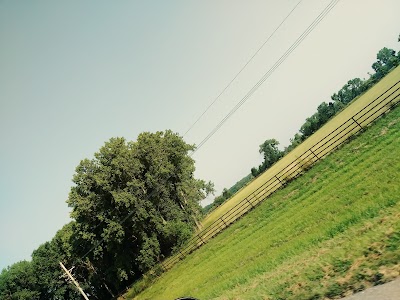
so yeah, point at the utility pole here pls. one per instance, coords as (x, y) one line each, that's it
(74, 281)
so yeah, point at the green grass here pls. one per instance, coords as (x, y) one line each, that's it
(331, 232)
(335, 122)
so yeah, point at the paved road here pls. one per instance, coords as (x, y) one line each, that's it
(387, 291)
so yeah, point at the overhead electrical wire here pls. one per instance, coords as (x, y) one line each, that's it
(311, 27)
(299, 40)
(240, 71)
(321, 16)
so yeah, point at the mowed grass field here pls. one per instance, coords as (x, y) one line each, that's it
(329, 233)
(335, 122)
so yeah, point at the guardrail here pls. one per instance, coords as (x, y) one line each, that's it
(356, 123)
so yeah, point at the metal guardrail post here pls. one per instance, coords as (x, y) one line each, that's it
(199, 236)
(163, 266)
(314, 154)
(223, 221)
(362, 128)
(252, 206)
(278, 179)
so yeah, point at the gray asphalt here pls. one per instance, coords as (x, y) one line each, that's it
(387, 291)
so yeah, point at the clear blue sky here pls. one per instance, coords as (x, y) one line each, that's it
(75, 73)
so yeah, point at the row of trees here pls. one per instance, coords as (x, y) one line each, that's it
(227, 193)
(133, 204)
(387, 59)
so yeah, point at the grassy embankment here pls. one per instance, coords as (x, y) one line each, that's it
(331, 232)
(335, 122)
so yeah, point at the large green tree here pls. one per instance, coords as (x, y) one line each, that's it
(386, 60)
(134, 203)
(349, 91)
(271, 153)
(18, 282)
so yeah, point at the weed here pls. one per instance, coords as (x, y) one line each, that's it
(394, 241)
(341, 265)
(377, 278)
(334, 290)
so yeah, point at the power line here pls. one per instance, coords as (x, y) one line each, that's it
(240, 71)
(309, 29)
(198, 119)
(299, 40)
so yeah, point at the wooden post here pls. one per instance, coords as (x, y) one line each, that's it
(74, 281)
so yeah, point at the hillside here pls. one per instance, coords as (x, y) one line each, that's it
(386, 84)
(331, 232)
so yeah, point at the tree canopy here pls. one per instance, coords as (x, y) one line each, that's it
(134, 203)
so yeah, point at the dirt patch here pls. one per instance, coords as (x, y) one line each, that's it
(384, 131)
(390, 272)
(361, 145)
(394, 122)
(294, 192)
(355, 266)
(368, 226)
(295, 288)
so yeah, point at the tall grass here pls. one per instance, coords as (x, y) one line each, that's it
(328, 233)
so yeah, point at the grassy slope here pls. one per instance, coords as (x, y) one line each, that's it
(353, 108)
(335, 229)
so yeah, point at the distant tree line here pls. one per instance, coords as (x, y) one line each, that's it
(133, 204)
(387, 59)
(227, 193)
